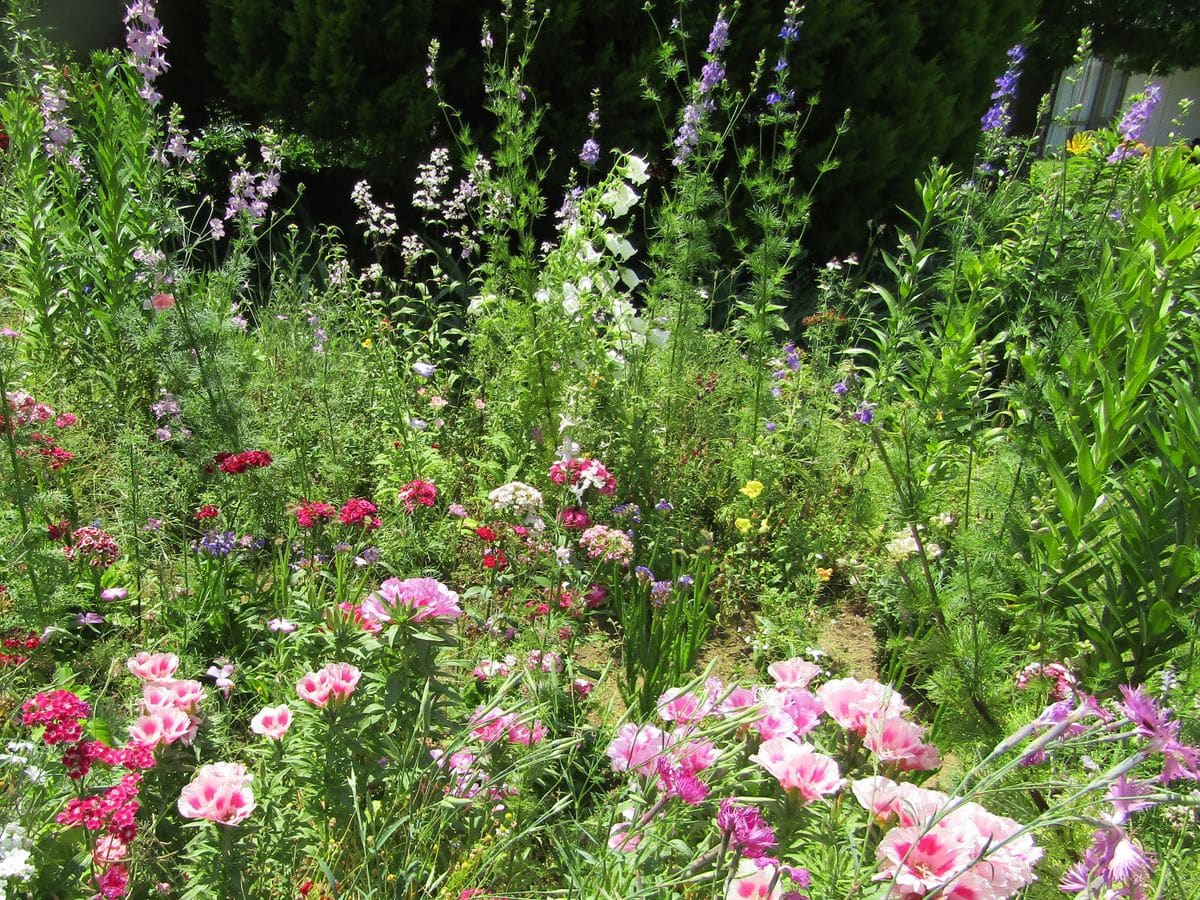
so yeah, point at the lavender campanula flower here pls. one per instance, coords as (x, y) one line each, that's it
(590, 154)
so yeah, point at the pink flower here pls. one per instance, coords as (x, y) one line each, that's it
(187, 694)
(799, 768)
(896, 740)
(527, 735)
(575, 518)
(343, 679)
(311, 513)
(748, 831)
(636, 748)
(621, 837)
(793, 673)
(490, 725)
(676, 705)
(920, 862)
(751, 881)
(281, 626)
(114, 593)
(315, 687)
(272, 721)
(360, 512)
(163, 726)
(851, 702)
(109, 850)
(417, 493)
(162, 302)
(427, 598)
(153, 666)
(884, 798)
(220, 793)
(157, 696)
(223, 676)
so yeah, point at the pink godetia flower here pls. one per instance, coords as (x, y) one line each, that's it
(637, 748)
(282, 626)
(851, 703)
(220, 792)
(682, 707)
(763, 879)
(336, 682)
(793, 673)
(899, 742)
(622, 837)
(489, 725)
(581, 688)
(526, 735)
(114, 593)
(424, 598)
(799, 768)
(223, 675)
(187, 694)
(161, 302)
(911, 805)
(272, 721)
(163, 726)
(152, 666)
(968, 851)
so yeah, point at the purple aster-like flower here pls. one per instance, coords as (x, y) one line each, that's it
(841, 389)
(865, 414)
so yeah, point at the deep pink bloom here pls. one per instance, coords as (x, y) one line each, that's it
(163, 726)
(311, 513)
(315, 688)
(748, 831)
(417, 493)
(359, 512)
(575, 518)
(162, 302)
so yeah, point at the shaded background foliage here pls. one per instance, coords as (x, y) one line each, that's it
(915, 74)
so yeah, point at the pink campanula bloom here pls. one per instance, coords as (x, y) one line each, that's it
(800, 768)
(220, 792)
(272, 721)
(152, 666)
(851, 702)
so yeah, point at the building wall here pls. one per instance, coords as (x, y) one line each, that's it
(1099, 95)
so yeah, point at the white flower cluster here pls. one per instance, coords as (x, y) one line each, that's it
(516, 497)
(904, 545)
(15, 757)
(14, 855)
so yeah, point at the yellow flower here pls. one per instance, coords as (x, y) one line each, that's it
(367, 343)
(742, 525)
(752, 489)
(1081, 143)
(824, 574)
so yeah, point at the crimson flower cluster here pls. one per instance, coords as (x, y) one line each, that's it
(236, 463)
(208, 511)
(417, 493)
(361, 512)
(60, 712)
(93, 546)
(17, 640)
(311, 513)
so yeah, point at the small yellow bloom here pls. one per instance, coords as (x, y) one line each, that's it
(368, 343)
(752, 489)
(824, 574)
(1081, 143)
(742, 525)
